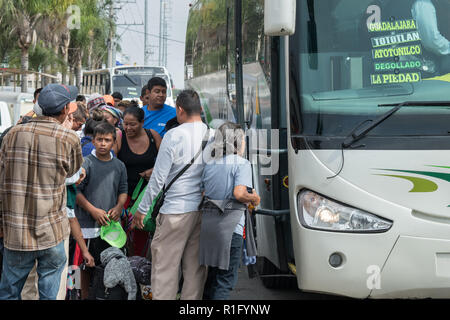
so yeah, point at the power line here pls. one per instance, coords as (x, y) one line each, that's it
(154, 35)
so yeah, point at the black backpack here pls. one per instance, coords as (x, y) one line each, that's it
(98, 291)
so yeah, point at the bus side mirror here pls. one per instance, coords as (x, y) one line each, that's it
(279, 17)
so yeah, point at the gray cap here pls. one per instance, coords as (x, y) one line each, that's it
(54, 97)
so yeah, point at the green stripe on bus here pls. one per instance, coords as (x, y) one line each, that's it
(420, 184)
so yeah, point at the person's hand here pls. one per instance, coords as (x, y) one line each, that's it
(115, 213)
(138, 220)
(68, 123)
(82, 176)
(146, 174)
(256, 200)
(100, 216)
(88, 259)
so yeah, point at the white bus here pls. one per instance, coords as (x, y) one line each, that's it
(359, 96)
(128, 80)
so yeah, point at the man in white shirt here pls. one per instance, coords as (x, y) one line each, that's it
(431, 32)
(177, 234)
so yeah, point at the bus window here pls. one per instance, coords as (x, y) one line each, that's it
(365, 53)
(206, 38)
(253, 31)
(231, 60)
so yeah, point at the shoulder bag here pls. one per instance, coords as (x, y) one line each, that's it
(158, 201)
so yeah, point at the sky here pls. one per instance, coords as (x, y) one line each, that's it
(132, 36)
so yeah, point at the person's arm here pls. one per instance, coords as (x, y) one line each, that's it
(77, 177)
(3, 148)
(147, 173)
(241, 194)
(157, 138)
(158, 178)
(242, 180)
(118, 143)
(116, 211)
(75, 160)
(425, 15)
(75, 229)
(99, 215)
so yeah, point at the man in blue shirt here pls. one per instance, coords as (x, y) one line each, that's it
(157, 113)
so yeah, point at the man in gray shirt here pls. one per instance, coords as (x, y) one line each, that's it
(177, 234)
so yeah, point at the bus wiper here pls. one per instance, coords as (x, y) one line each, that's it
(357, 135)
(129, 79)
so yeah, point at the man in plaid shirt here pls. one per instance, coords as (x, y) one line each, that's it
(35, 160)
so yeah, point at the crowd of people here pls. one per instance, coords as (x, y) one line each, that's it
(74, 165)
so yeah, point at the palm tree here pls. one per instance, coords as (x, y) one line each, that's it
(25, 14)
(89, 39)
(25, 21)
(56, 33)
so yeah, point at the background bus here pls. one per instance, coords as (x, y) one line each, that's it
(365, 210)
(128, 80)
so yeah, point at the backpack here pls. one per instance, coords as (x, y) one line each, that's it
(98, 291)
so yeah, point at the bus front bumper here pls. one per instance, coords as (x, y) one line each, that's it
(373, 265)
(416, 268)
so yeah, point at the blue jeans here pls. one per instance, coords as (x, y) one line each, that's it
(219, 283)
(18, 264)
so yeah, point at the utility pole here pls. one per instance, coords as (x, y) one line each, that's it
(146, 51)
(161, 22)
(111, 41)
(120, 4)
(164, 13)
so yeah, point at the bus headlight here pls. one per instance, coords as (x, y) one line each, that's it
(318, 212)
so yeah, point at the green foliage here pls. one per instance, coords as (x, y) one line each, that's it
(52, 15)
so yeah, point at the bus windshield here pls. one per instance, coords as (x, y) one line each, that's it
(129, 86)
(130, 83)
(350, 56)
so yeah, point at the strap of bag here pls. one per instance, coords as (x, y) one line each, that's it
(137, 189)
(205, 141)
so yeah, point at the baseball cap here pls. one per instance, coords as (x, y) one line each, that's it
(109, 99)
(113, 234)
(95, 101)
(54, 97)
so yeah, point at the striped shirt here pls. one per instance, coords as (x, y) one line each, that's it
(35, 160)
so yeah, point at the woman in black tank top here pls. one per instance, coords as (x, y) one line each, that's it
(137, 150)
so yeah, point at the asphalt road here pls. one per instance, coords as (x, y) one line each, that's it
(253, 289)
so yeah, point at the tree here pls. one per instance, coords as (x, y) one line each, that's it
(25, 14)
(88, 43)
(57, 35)
(34, 34)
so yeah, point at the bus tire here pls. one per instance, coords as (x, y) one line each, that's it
(267, 269)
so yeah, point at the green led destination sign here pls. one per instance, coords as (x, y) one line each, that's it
(395, 39)
(390, 78)
(399, 25)
(402, 65)
(397, 52)
(395, 60)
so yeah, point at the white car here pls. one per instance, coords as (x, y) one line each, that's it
(5, 117)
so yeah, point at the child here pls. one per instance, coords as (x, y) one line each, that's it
(86, 141)
(101, 195)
